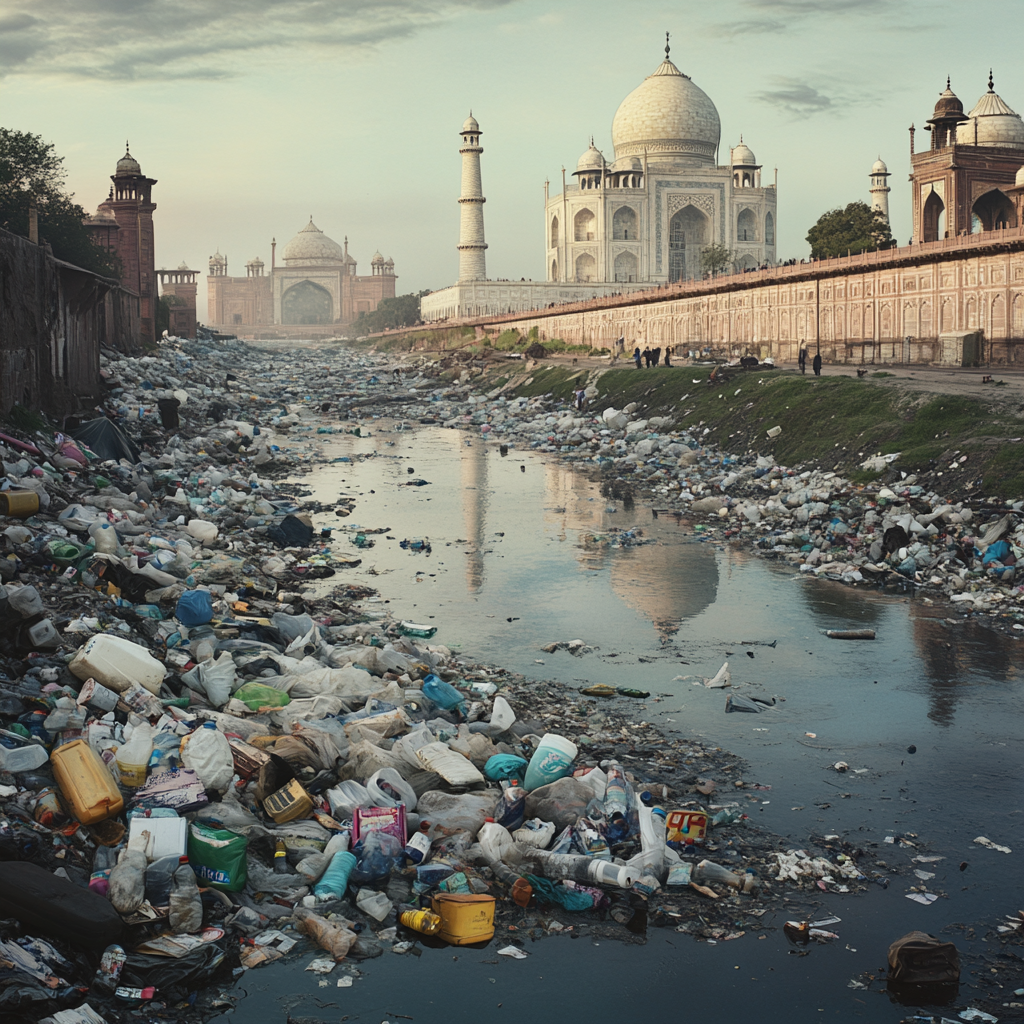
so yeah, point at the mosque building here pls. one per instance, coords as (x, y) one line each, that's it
(641, 219)
(968, 179)
(316, 286)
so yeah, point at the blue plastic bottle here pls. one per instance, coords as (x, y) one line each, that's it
(443, 694)
(334, 881)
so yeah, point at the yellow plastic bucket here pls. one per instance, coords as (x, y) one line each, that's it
(465, 919)
(20, 504)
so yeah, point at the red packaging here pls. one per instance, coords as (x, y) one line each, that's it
(379, 819)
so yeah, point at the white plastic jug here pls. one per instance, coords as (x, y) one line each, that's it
(25, 601)
(208, 753)
(203, 531)
(104, 536)
(117, 663)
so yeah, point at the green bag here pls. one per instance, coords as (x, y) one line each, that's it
(259, 695)
(218, 857)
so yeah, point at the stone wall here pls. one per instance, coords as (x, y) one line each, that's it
(54, 318)
(881, 307)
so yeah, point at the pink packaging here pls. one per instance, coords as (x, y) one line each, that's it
(379, 819)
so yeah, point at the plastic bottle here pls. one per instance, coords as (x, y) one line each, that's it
(373, 904)
(109, 971)
(652, 855)
(104, 537)
(208, 754)
(128, 876)
(24, 758)
(334, 881)
(581, 868)
(186, 917)
(280, 858)
(443, 694)
(522, 891)
(166, 750)
(159, 877)
(424, 921)
(708, 871)
(133, 756)
(417, 849)
(102, 862)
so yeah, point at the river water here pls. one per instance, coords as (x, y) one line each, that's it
(513, 567)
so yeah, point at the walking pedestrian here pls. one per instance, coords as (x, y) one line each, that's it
(802, 358)
(668, 359)
(656, 356)
(647, 357)
(636, 356)
(817, 364)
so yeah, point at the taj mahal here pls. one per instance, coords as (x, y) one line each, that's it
(642, 218)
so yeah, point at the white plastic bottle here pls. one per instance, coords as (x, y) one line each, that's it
(104, 537)
(133, 756)
(208, 753)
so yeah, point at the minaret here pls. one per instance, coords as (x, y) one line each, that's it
(880, 189)
(471, 228)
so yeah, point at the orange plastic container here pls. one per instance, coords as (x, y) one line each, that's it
(85, 783)
(465, 919)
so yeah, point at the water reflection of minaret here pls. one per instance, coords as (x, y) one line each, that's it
(473, 477)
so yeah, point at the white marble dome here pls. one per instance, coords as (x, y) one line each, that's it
(470, 124)
(592, 160)
(1019, 180)
(996, 124)
(743, 154)
(878, 167)
(311, 247)
(128, 164)
(669, 117)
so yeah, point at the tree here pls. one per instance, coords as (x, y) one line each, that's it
(31, 173)
(858, 228)
(402, 311)
(714, 258)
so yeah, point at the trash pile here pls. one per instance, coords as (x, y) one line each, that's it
(204, 762)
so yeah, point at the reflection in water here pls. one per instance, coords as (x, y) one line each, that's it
(954, 656)
(838, 606)
(473, 476)
(666, 581)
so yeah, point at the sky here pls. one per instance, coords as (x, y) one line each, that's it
(254, 115)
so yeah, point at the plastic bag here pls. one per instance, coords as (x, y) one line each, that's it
(258, 695)
(561, 801)
(334, 936)
(346, 797)
(453, 812)
(195, 608)
(377, 855)
(213, 678)
(218, 857)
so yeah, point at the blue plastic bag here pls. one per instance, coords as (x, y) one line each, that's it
(195, 608)
(505, 766)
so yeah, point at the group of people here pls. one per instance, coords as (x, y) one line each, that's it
(651, 357)
(815, 362)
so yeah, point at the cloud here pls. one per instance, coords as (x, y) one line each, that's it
(799, 98)
(157, 39)
(771, 16)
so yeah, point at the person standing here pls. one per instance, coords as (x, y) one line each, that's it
(802, 358)
(647, 357)
(668, 357)
(817, 364)
(656, 356)
(636, 356)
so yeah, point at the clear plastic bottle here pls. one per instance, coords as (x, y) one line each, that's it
(103, 862)
(186, 917)
(708, 871)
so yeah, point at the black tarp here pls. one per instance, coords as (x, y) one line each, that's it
(107, 440)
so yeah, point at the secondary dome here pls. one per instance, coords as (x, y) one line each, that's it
(878, 167)
(312, 247)
(992, 123)
(470, 124)
(948, 105)
(669, 117)
(742, 154)
(592, 160)
(1019, 180)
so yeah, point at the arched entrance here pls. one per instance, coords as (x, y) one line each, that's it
(934, 215)
(625, 267)
(746, 227)
(306, 303)
(584, 226)
(624, 225)
(586, 268)
(993, 211)
(687, 235)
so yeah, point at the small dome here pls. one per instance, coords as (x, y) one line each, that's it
(183, 265)
(377, 260)
(389, 262)
(878, 167)
(311, 247)
(1019, 180)
(128, 164)
(948, 105)
(742, 154)
(470, 124)
(669, 117)
(216, 260)
(592, 160)
(627, 163)
(103, 217)
(992, 123)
